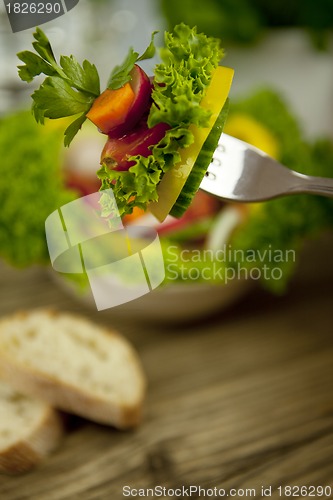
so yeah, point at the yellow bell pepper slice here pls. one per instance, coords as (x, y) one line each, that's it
(174, 180)
(250, 130)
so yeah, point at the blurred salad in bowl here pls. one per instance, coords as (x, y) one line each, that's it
(216, 250)
(213, 252)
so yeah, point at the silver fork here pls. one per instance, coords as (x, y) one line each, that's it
(241, 172)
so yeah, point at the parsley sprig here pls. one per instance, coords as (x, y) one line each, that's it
(69, 88)
(121, 74)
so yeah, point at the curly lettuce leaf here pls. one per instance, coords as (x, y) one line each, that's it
(137, 186)
(183, 76)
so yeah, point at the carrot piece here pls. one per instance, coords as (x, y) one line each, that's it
(137, 212)
(111, 108)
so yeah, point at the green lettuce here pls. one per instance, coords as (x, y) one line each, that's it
(31, 187)
(183, 76)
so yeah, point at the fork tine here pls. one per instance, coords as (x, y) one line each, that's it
(241, 172)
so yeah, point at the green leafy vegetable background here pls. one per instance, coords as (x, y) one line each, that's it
(244, 21)
(31, 187)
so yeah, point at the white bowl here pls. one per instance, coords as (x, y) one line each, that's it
(181, 302)
(178, 301)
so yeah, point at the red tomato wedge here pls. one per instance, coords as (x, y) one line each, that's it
(117, 151)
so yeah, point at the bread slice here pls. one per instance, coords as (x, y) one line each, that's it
(74, 365)
(29, 430)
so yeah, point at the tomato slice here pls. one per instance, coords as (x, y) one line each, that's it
(117, 151)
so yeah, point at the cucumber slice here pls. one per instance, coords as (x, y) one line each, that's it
(193, 181)
(173, 181)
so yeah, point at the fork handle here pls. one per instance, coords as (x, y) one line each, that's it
(313, 185)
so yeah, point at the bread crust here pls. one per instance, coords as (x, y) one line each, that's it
(66, 396)
(29, 451)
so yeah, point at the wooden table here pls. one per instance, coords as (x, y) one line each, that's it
(239, 401)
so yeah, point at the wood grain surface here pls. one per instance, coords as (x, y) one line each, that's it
(242, 399)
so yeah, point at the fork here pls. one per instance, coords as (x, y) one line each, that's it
(244, 173)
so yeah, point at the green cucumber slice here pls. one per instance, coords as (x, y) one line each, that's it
(199, 169)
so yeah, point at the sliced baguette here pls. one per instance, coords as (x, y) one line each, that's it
(74, 365)
(29, 430)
